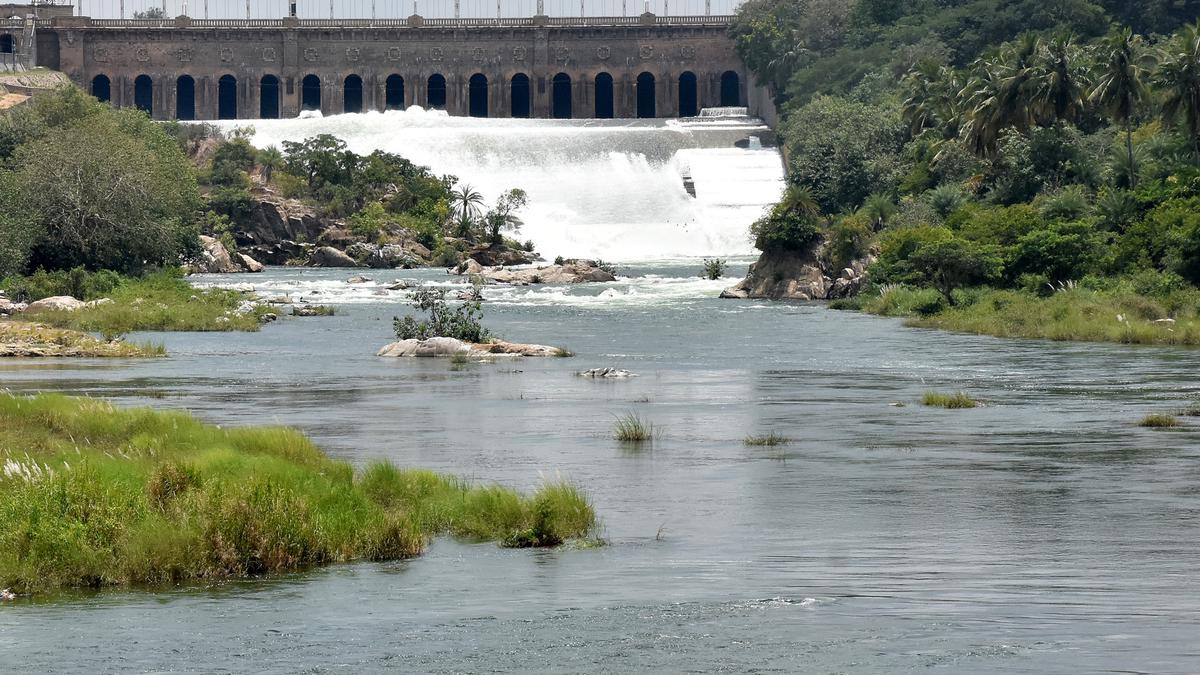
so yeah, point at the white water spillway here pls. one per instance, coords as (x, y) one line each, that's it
(612, 189)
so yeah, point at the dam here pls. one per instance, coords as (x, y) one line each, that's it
(540, 66)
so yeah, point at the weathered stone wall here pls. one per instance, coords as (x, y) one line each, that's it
(415, 50)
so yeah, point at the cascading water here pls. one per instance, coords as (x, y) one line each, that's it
(611, 189)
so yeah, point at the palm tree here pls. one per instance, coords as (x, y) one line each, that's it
(1058, 83)
(999, 93)
(1121, 86)
(466, 205)
(1178, 77)
(878, 208)
(801, 202)
(270, 159)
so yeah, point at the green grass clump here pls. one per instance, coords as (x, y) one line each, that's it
(94, 496)
(630, 428)
(1073, 314)
(161, 302)
(769, 440)
(1190, 411)
(1159, 422)
(956, 401)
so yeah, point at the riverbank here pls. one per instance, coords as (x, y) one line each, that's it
(117, 305)
(95, 496)
(1071, 314)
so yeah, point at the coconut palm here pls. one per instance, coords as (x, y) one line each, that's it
(1121, 86)
(999, 93)
(1178, 77)
(1059, 82)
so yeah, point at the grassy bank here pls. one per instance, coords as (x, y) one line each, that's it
(159, 302)
(22, 339)
(1076, 314)
(92, 496)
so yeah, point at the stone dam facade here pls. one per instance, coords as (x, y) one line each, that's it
(541, 67)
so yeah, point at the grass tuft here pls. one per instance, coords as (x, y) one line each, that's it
(631, 428)
(93, 496)
(956, 401)
(1160, 422)
(769, 440)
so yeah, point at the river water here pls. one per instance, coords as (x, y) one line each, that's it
(1044, 532)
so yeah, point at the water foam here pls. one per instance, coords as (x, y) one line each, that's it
(609, 189)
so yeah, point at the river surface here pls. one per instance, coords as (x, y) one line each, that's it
(1042, 533)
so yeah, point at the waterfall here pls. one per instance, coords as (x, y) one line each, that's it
(611, 189)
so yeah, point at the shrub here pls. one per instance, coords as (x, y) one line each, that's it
(631, 428)
(1159, 421)
(792, 224)
(848, 240)
(714, 268)
(946, 199)
(768, 440)
(462, 322)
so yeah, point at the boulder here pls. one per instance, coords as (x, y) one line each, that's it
(358, 279)
(432, 347)
(58, 303)
(8, 307)
(249, 264)
(327, 256)
(783, 275)
(214, 258)
(446, 347)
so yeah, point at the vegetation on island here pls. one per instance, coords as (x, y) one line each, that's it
(1012, 168)
(382, 198)
(461, 322)
(955, 401)
(93, 496)
(23, 339)
(632, 428)
(769, 440)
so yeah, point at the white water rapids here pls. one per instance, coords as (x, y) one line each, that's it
(610, 189)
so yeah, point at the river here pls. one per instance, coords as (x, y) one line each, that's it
(1044, 532)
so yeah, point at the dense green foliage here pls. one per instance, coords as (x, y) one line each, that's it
(1015, 144)
(93, 496)
(461, 322)
(85, 184)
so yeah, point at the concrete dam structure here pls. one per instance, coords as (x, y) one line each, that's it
(643, 66)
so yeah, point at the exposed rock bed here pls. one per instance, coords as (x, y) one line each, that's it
(570, 272)
(799, 275)
(447, 347)
(35, 340)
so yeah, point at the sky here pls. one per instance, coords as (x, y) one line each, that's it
(388, 9)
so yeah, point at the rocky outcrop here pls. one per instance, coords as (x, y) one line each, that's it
(798, 275)
(570, 272)
(216, 259)
(328, 256)
(447, 347)
(9, 308)
(275, 228)
(497, 256)
(407, 255)
(607, 373)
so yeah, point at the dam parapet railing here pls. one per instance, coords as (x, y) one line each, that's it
(415, 21)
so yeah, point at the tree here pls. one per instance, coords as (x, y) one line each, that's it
(270, 159)
(1059, 83)
(466, 205)
(792, 225)
(999, 93)
(1121, 86)
(953, 263)
(503, 216)
(111, 192)
(1178, 78)
(151, 13)
(318, 159)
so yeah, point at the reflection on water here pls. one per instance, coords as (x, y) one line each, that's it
(1044, 532)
